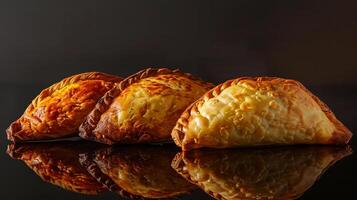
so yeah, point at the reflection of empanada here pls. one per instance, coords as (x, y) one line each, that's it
(142, 108)
(279, 173)
(58, 164)
(137, 171)
(59, 110)
(258, 111)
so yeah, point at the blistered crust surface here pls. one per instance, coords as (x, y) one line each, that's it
(59, 110)
(143, 108)
(279, 173)
(258, 111)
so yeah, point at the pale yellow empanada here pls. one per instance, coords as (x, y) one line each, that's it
(258, 111)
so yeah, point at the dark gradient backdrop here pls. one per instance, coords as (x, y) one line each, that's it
(312, 41)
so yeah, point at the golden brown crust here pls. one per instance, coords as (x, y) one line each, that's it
(140, 134)
(57, 163)
(131, 172)
(342, 135)
(263, 173)
(40, 123)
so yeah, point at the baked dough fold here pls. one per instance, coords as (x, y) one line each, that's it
(258, 111)
(59, 110)
(58, 164)
(137, 172)
(143, 108)
(263, 173)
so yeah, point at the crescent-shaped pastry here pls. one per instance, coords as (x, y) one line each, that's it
(278, 173)
(137, 172)
(143, 108)
(58, 164)
(59, 110)
(258, 111)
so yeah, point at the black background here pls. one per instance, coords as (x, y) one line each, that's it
(312, 41)
(42, 42)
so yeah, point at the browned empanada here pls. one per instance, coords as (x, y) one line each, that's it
(278, 173)
(137, 171)
(143, 108)
(59, 110)
(58, 164)
(258, 111)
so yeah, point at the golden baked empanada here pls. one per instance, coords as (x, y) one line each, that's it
(258, 111)
(137, 171)
(59, 110)
(58, 164)
(143, 108)
(278, 173)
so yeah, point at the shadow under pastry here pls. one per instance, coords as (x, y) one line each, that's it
(57, 163)
(263, 173)
(137, 172)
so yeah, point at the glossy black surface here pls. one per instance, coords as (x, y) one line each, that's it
(20, 182)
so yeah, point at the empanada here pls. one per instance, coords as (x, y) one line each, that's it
(143, 108)
(258, 111)
(58, 164)
(137, 171)
(277, 173)
(59, 110)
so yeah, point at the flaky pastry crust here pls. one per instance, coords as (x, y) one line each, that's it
(59, 110)
(142, 108)
(58, 164)
(258, 111)
(137, 172)
(263, 173)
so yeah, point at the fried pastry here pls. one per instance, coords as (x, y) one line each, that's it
(58, 164)
(143, 108)
(278, 173)
(258, 111)
(59, 110)
(137, 172)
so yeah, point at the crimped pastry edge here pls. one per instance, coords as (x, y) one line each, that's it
(178, 132)
(15, 127)
(91, 121)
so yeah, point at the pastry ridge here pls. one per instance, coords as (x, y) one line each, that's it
(178, 131)
(104, 103)
(15, 127)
